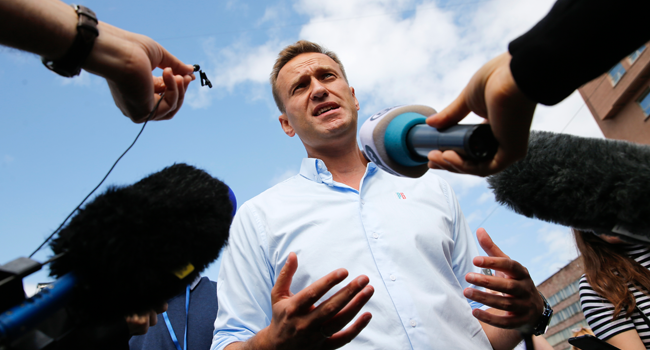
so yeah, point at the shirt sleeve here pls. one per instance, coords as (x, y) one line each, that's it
(576, 42)
(465, 248)
(245, 282)
(599, 311)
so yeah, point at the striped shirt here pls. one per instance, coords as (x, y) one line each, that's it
(598, 311)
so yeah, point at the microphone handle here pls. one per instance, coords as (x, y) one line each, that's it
(22, 318)
(474, 142)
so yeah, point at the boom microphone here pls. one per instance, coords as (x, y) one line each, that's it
(132, 248)
(397, 139)
(589, 184)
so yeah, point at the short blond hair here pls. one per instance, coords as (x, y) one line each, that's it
(292, 51)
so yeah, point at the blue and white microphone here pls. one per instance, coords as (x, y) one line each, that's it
(397, 139)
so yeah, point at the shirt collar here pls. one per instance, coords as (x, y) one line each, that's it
(315, 170)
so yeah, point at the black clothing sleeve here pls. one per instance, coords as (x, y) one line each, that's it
(577, 41)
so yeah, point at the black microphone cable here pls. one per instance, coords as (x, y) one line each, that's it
(155, 108)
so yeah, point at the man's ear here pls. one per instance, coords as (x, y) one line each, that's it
(356, 102)
(284, 122)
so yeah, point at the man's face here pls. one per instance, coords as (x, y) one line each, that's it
(319, 104)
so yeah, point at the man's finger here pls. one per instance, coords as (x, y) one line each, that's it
(137, 324)
(509, 267)
(500, 321)
(153, 318)
(169, 60)
(158, 85)
(332, 306)
(351, 309)
(180, 87)
(282, 290)
(436, 158)
(171, 95)
(508, 286)
(495, 301)
(312, 293)
(455, 112)
(345, 336)
(488, 245)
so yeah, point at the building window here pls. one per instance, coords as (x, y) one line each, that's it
(565, 313)
(616, 73)
(634, 55)
(644, 102)
(564, 293)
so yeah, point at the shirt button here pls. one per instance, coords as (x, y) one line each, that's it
(375, 235)
(362, 202)
(392, 277)
(413, 323)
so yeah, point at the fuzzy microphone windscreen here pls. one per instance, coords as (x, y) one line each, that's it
(591, 184)
(131, 247)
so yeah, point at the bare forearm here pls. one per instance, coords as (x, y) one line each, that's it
(43, 27)
(257, 342)
(501, 339)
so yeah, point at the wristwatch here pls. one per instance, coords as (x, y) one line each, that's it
(70, 64)
(545, 320)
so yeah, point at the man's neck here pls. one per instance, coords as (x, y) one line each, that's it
(347, 165)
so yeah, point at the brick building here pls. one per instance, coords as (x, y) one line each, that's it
(619, 100)
(561, 291)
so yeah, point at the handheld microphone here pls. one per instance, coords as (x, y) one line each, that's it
(398, 140)
(588, 184)
(131, 249)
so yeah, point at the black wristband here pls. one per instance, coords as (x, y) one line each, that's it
(70, 64)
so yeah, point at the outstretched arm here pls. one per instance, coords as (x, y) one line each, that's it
(48, 28)
(492, 94)
(298, 324)
(518, 307)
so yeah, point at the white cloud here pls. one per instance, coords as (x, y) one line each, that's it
(475, 216)
(486, 196)
(199, 98)
(570, 116)
(405, 52)
(561, 249)
(18, 56)
(282, 176)
(459, 182)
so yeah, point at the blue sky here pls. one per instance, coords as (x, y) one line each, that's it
(58, 136)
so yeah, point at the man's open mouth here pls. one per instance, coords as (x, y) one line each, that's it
(325, 108)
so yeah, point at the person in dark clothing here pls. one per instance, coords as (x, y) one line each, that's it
(577, 41)
(200, 321)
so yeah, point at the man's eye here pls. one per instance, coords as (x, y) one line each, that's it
(298, 87)
(328, 75)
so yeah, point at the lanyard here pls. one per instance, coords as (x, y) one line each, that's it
(169, 324)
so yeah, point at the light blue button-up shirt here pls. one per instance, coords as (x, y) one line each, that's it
(408, 236)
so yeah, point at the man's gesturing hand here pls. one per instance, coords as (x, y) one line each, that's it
(519, 299)
(298, 324)
(492, 94)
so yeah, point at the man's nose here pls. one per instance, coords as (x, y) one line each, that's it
(318, 91)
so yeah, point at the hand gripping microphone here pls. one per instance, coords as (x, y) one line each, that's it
(129, 250)
(398, 140)
(589, 184)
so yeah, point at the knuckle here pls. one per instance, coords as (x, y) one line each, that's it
(510, 286)
(291, 311)
(329, 309)
(311, 294)
(507, 304)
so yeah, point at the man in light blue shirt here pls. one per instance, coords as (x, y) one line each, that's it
(342, 216)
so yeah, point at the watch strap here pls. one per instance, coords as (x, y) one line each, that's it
(70, 64)
(545, 320)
